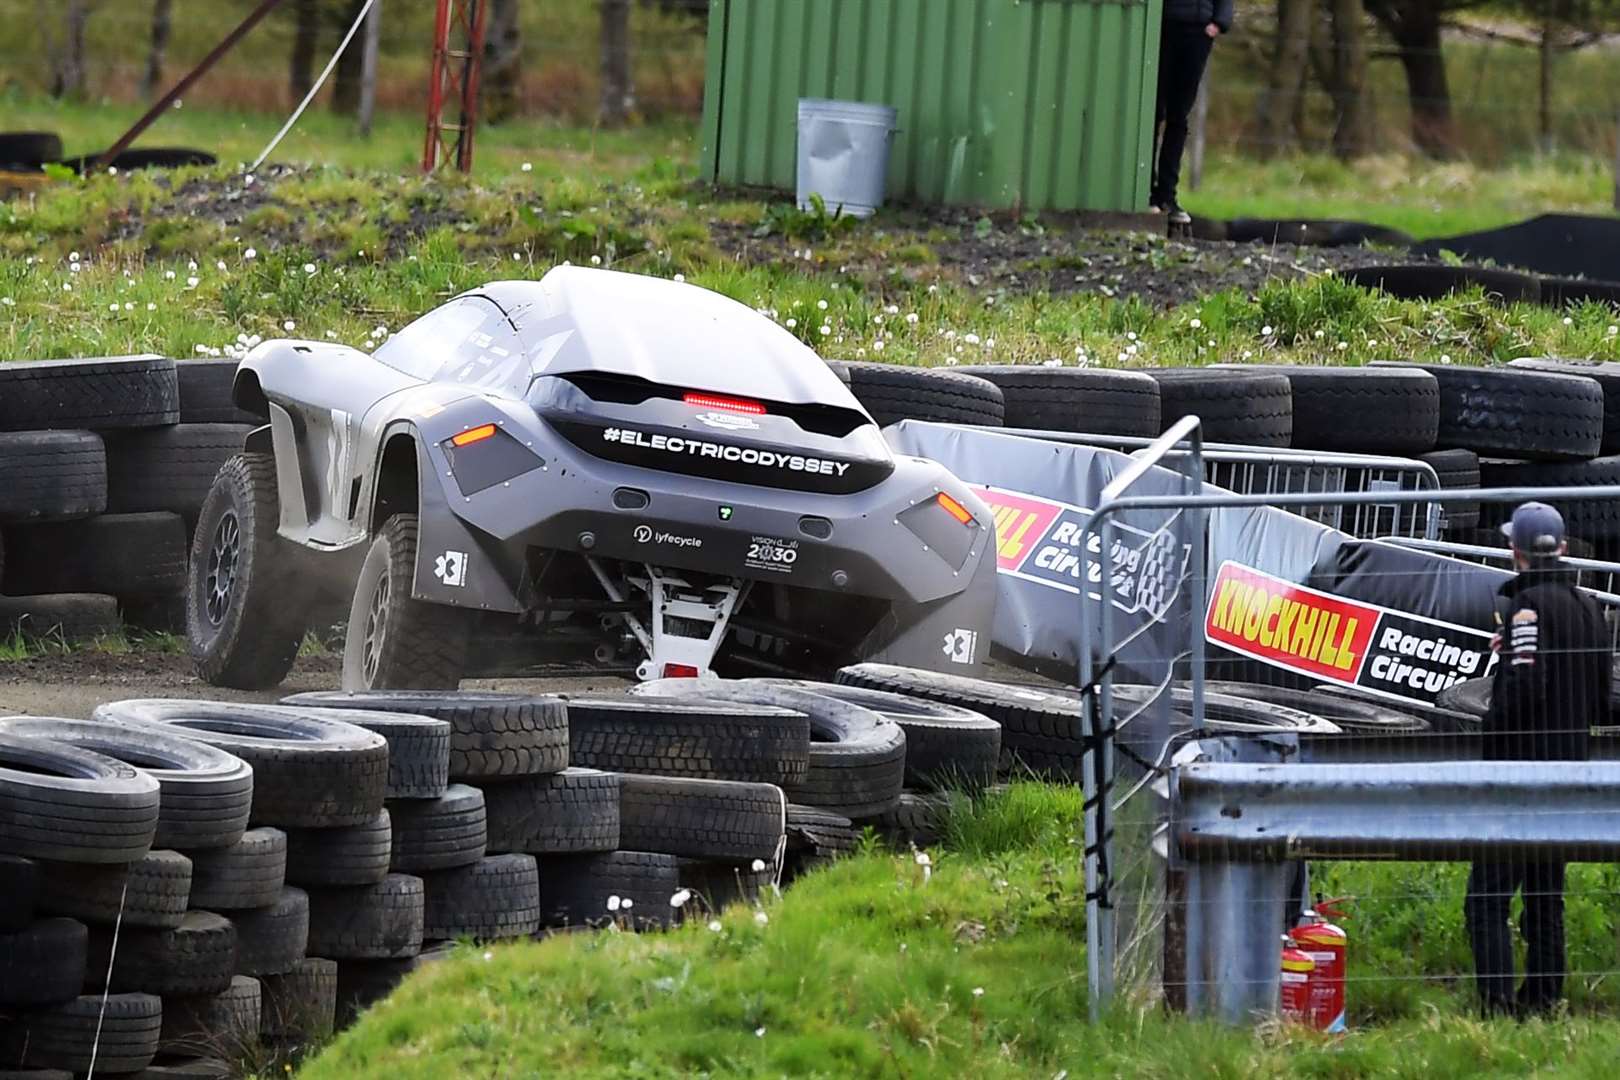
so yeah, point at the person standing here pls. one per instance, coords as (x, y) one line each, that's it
(1186, 36)
(1551, 685)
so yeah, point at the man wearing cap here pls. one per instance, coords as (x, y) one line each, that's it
(1550, 686)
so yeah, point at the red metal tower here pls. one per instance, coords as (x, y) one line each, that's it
(455, 76)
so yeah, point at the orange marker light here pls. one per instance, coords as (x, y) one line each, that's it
(472, 435)
(729, 404)
(955, 509)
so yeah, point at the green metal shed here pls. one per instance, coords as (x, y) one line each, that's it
(1032, 104)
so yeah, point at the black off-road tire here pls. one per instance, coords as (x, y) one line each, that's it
(1360, 410)
(297, 1008)
(353, 855)
(442, 833)
(70, 805)
(223, 1023)
(363, 983)
(149, 894)
(206, 393)
(118, 392)
(1513, 413)
(816, 837)
(946, 745)
(271, 940)
(394, 641)
(249, 874)
(418, 750)
(205, 793)
(496, 897)
(196, 957)
(893, 392)
(576, 810)
(67, 617)
(917, 820)
(1246, 408)
(492, 735)
(243, 618)
(368, 922)
(1040, 731)
(19, 892)
(1457, 470)
(52, 476)
(120, 1034)
(308, 772)
(29, 149)
(1096, 401)
(1441, 721)
(681, 737)
(575, 889)
(116, 554)
(43, 963)
(1605, 374)
(701, 819)
(171, 468)
(1597, 521)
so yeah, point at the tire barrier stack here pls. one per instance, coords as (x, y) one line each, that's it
(106, 463)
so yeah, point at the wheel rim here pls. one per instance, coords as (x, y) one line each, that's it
(224, 554)
(376, 630)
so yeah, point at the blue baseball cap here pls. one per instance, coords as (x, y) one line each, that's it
(1536, 529)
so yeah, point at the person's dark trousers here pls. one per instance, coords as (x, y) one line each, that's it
(1491, 886)
(1183, 52)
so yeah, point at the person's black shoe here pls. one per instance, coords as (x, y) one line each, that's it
(1175, 214)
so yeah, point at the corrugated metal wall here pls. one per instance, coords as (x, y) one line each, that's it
(1040, 104)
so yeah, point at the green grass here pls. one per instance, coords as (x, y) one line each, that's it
(873, 967)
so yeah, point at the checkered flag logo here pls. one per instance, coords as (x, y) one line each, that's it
(1163, 562)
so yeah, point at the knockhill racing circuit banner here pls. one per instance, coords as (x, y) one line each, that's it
(1301, 602)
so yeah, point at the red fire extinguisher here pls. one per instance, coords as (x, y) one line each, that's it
(1325, 944)
(1297, 968)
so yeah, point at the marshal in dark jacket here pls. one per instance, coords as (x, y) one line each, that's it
(1552, 671)
(1200, 12)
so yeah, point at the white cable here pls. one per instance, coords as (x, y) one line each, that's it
(106, 989)
(320, 82)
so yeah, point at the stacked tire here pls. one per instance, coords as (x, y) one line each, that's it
(107, 463)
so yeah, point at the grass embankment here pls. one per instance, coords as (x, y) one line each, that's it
(875, 968)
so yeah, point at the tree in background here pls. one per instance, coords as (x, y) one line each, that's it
(618, 89)
(306, 36)
(502, 91)
(1415, 27)
(69, 69)
(351, 65)
(162, 21)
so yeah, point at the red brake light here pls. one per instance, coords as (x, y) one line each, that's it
(955, 509)
(727, 404)
(472, 435)
(680, 671)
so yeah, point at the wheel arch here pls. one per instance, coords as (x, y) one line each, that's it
(398, 487)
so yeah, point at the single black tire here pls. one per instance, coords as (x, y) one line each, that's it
(308, 772)
(1441, 721)
(717, 884)
(298, 1006)
(1471, 697)
(29, 149)
(681, 737)
(1457, 470)
(1360, 410)
(576, 890)
(243, 618)
(494, 898)
(188, 1068)
(442, 833)
(248, 874)
(368, 922)
(1352, 716)
(43, 963)
(1096, 401)
(1431, 282)
(394, 641)
(117, 554)
(154, 614)
(1597, 521)
(576, 810)
(1225, 714)
(70, 805)
(917, 820)
(1040, 731)
(150, 894)
(169, 468)
(492, 735)
(206, 393)
(19, 892)
(271, 940)
(100, 395)
(1236, 406)
(1514, 413)
(418, 749)
(223, 1023)
(701, 819)
(816, 837)
(353, 855)
(66, 617)
(119, 1033)
(363, 983)
(1605, 374)
(52, 476)
(946, 745)
(1313, 233)
(205, 793)
(893, 392)
(196, 957)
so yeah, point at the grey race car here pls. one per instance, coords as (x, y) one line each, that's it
(597, 468)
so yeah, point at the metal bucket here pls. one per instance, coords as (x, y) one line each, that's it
(844, 154)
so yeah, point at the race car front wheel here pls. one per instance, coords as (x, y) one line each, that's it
(243, 624)
(396, 642)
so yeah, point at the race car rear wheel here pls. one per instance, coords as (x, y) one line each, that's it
(396, 642)
(243, 626)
